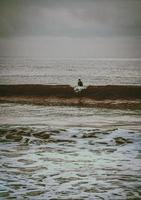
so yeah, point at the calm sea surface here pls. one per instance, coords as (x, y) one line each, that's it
(66, 71)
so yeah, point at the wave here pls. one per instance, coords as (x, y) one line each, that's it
(67, 91)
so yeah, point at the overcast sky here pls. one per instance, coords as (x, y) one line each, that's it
(71, 28)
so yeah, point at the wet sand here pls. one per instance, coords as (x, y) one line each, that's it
(121, 97)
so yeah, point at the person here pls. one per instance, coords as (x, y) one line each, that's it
(80, 83)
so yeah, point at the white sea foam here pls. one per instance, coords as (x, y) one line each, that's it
(81, 159)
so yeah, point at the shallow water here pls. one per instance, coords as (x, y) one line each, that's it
(69, 153)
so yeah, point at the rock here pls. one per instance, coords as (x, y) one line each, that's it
(26, 141)
(34, 193)
(22, 131)
(26, 161)
(55, 131)
(121, 140)
(13, 136)
(74, 136)
(42, 135)
(2, 132)
(61, 141)
(110, 150)
(91, 142)
(102, 142)
(131, 132)
(105, 132)
(92, 190)
(89, 135)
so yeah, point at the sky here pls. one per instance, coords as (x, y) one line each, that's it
(70, 28)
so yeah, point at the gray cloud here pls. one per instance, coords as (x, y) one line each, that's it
(70, 28)
(70, 18)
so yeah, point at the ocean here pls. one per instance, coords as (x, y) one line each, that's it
(20, 70)
(69, 153)
(65, 152)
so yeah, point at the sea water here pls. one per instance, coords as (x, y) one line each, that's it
(51, 153)
(23, 70)
(69, 153)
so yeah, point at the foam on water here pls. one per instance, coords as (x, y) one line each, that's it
(69, 153)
